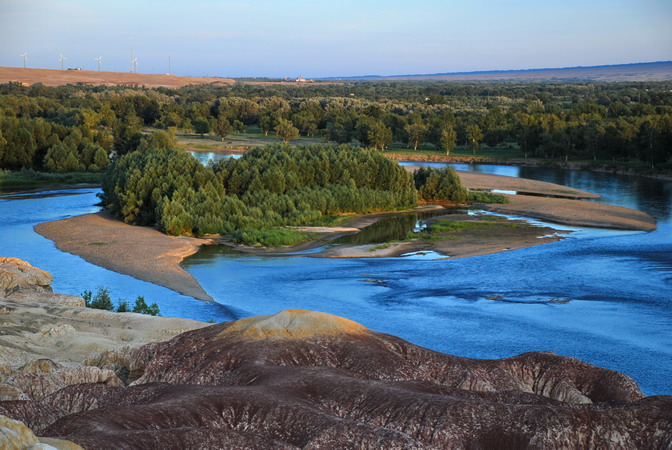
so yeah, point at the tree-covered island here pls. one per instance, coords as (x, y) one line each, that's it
(267, 188)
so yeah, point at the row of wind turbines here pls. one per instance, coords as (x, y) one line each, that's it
(134, 61)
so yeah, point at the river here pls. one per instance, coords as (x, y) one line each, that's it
(602, 296)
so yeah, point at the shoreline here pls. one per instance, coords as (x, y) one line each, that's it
(526, 162)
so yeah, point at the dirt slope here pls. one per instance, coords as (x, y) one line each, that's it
(50, 77)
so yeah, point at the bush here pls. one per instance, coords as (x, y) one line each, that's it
(440, 184)
(101, 300)
(122, 306)
(487, 197)
(142, 308)
(274, 237)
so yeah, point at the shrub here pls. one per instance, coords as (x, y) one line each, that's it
(123, 306)
(274, 237)
(101, 300)
(487, 197)
(440, 184)
(142, 308)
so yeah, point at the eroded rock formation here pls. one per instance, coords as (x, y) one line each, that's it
(301, 379)
(19, 282)
(15, 435)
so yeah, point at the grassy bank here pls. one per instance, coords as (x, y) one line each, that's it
(31, 178)
(273, 237)
(450, 229)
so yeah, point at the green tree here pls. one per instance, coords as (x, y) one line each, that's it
(448, 138)
(286, 130)
(474, 137)
(123, 307)
(201, 126)
(101, 300)
(101, 159)
(222, 127)
(142, 307)
(379, 135)
(127, 135)
(61, 158)
(266, 122)
(416, 132)
(239, 126)
(3, 145)
(20, 149)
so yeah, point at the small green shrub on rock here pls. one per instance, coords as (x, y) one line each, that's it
(102, 300)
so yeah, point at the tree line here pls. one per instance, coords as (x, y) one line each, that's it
(75, 128)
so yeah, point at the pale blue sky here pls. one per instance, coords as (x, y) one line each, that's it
(339, 38)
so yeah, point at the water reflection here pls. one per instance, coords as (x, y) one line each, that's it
(392, 228)
(206, 157)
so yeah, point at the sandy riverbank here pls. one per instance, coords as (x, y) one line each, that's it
(141, 252)
(576, 213)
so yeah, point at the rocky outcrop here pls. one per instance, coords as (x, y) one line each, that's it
(36, 385)
(40, 324)
(21, 282)
(302, 379)
(15, 435)
(15, 272)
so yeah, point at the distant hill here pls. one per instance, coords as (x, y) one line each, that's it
(653, 71)
(50, 77)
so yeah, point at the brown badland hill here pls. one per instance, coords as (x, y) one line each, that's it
(305, 379)
(49, 77)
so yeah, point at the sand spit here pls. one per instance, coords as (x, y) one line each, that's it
(483, 181)
(141, 252)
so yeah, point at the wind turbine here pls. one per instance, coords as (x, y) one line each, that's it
(100, 60)
(62, 58)
(25, 58)
(134, 61)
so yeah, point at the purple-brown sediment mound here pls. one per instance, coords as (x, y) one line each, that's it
(302, 379)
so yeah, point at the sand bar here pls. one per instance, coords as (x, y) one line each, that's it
(576, 213)
(141, 252)
(478, 181)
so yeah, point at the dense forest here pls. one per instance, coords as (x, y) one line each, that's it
(274, 186)
(80, 128)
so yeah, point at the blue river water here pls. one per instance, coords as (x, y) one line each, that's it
(614, 287)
